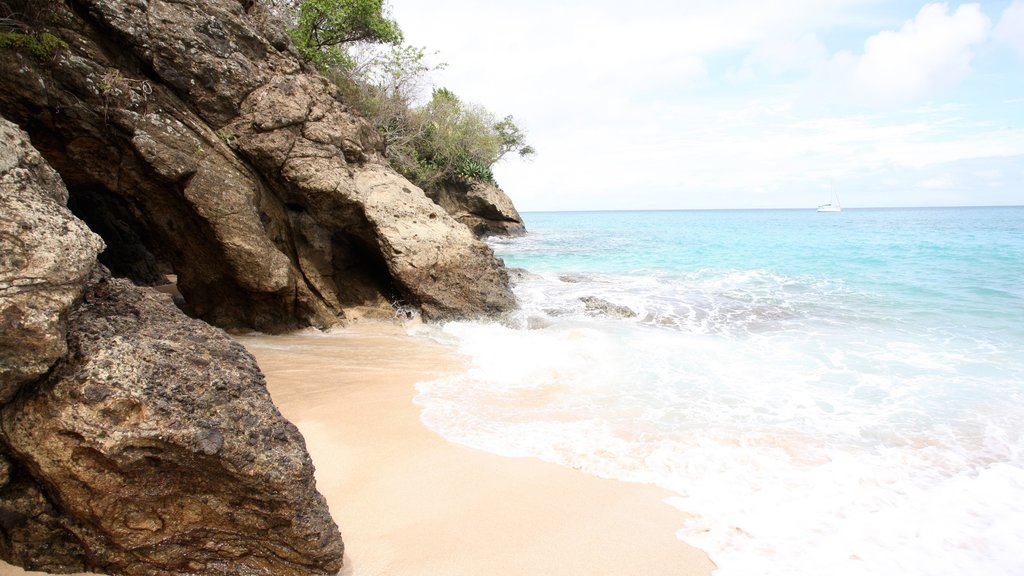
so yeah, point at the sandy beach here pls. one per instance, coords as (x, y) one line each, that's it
(408, 502)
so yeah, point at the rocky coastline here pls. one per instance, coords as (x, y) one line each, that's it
(186, 138)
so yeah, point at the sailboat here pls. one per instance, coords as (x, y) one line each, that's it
(833, 205)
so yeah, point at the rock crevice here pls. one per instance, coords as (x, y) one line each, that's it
(133, 439)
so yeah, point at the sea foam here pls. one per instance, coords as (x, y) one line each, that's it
(810, 420)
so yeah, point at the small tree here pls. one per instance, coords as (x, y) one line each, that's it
(360, 48)
(323, 27)
(454, 141)
(511, 138)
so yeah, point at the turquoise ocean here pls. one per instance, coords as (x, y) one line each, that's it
(823, 393)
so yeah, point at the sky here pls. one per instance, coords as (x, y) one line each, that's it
(650, 104)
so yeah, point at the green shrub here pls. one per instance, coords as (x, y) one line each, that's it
(454, 141)
(358, 46)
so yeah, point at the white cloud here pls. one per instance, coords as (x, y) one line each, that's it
(931, 52)
(1010, 30)
(938, 183)
(781, 55)
(725, 103)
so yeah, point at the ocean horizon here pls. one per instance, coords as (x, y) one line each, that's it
(528, 213)
(835, 393)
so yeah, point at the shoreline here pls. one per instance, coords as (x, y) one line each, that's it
(409, 502)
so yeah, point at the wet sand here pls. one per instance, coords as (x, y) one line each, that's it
(410, 503)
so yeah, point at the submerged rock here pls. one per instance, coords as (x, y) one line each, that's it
(573, 278)
(520, 275)
(601, 307)
(153, 447)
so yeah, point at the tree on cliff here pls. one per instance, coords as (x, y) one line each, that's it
(360, 47)
(323, 27)
(452, 140)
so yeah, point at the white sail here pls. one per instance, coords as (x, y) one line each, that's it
(833, 205)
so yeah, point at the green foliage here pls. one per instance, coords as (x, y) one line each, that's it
(41, 46)
(454, 141)
(511, 138)
(21, 28)
(324, 27)
(360, 48)
(228, 136)
(381, 82)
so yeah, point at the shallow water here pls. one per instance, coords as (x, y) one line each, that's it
(826, 393)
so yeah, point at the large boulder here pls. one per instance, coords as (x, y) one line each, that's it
(195, 143)
(153, 447)
(133, 439)
(45, 256)
(482, 206)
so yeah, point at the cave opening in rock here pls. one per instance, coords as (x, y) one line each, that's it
(131, 252)
(360, 271)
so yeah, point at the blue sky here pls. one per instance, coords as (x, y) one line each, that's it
(739, 104)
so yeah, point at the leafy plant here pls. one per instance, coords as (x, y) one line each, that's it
(455, 141)
(324, 27)
(360, 47)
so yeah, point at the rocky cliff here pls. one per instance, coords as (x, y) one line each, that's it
(133, 439)
(183, 137)
(194, 142)
(482, 206)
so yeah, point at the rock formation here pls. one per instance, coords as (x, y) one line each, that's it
(175, 462)
(194, 142)
(184, 137)
(133, 439)
(46, 254)
(481, 206)
(600, 307)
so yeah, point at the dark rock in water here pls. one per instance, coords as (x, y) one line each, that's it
(153, 447)
(572, 278)
(538, 322)
(601, 307)
(517, 275)
(481, 206)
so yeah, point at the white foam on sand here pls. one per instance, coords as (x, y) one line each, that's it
(794, 455)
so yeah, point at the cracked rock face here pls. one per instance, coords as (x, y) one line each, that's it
(133, 439)
(215, 156)
(160, 452)
(45, 256)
